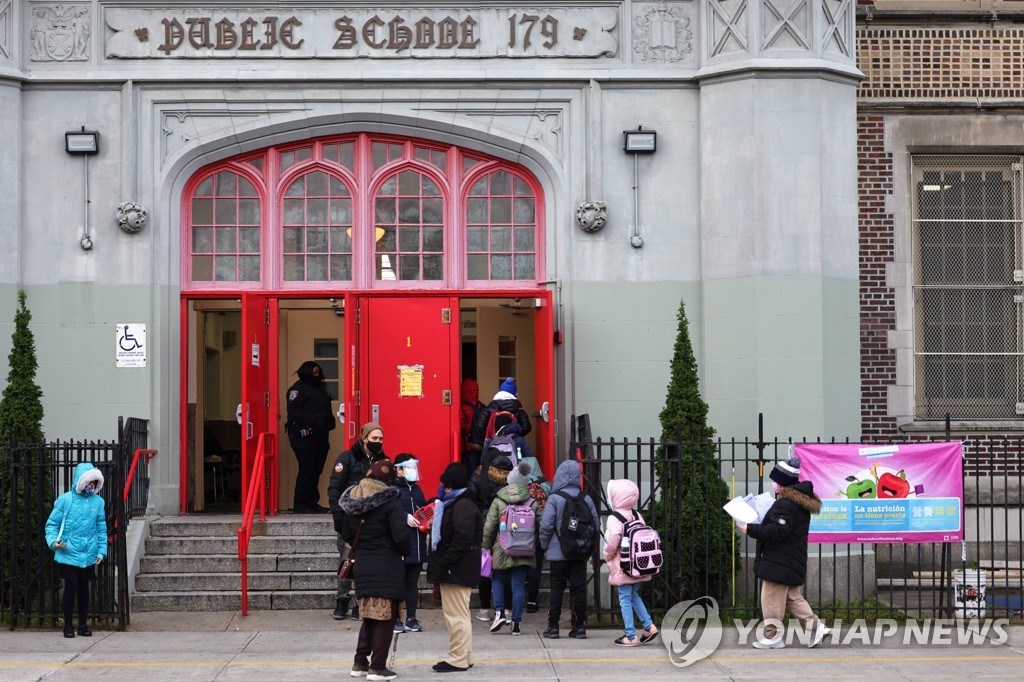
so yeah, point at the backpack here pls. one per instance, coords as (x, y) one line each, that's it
(577, 532)
(538, 493)
(475, 407)
(517, 534)
(505, 445)
(640, 549)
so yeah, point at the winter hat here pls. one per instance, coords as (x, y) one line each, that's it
(455, 476)
(786, 473)
(519, 475)
(504, 462)
(509, 386)
(501, 420)
(367, 428)
(403, 457)
(382, 470)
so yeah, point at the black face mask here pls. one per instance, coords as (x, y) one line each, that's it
(375, 448)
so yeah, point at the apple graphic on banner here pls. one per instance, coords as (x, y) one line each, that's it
(891, 486)
(859, 489)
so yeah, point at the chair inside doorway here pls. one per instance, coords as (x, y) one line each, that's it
(222, 462)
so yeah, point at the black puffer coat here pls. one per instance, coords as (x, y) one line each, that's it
(782, 537)
(349, 469)
(383, 540)
(503, 402)
(457, 557)
(412, 499)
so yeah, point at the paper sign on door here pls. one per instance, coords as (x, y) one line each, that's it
(410, 381)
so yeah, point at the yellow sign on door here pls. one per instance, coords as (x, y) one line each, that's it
(410, 381)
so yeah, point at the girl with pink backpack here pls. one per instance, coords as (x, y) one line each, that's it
(623, 495)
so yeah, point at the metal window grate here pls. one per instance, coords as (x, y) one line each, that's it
(967, 286)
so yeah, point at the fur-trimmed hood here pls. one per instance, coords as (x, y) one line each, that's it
(801, 493)
(86, 473)
(497, 476)
(366, 495)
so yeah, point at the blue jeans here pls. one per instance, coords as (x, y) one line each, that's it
(630, 603)
(517, 576)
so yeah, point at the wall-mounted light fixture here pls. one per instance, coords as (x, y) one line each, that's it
(338, 307)
(83, 143)
(638, 142)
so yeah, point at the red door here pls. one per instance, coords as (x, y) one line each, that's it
(407, 349)
(259, 379)
(544, 395)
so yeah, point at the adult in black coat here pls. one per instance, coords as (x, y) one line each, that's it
(310, 421)
(455, 562)
(375, 526)
(781, 557)
(504, 400)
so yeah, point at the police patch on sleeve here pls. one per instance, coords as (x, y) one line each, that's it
(339, 467)
(292, 395)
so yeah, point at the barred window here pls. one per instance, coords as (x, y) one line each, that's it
(968, 292)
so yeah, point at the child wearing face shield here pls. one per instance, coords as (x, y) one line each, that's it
(76, 531)
(407, 468)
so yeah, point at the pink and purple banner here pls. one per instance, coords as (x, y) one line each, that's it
(902, 493)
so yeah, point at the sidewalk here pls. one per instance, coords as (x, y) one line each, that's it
(309, 645)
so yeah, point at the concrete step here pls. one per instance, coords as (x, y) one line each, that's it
(320, 525)
(285, 544)
(198, 601)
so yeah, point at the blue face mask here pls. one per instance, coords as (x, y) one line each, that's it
(90, 489)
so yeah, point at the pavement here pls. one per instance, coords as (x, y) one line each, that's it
(310, 645)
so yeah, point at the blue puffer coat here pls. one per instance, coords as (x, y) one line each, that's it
(85, 524)
(412, 499)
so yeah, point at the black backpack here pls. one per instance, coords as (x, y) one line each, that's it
(577, 532)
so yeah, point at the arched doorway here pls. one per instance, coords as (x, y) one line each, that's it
(401, 265)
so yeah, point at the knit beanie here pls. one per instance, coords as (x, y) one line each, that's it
(503, 462)
(368, 427)
(509, 386)
(786, 473)
(383, 470)
(455, 476)
(519, 475)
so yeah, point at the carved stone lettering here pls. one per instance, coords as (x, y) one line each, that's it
(199, 32)
(370, 31)
(174, 35)
(448, 33)
(347, 37)
(287, 33)
(399, 35)
(469, 40)
(249, 41)
(227, 38)
(425, 32)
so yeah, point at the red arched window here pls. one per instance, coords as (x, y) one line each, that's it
(364, 211)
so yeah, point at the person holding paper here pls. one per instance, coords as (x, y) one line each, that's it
(781, 558)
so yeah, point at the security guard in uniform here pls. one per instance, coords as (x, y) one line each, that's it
(309, 424)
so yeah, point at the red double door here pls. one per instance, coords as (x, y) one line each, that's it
(402, 369)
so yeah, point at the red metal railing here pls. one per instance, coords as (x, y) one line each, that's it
(150, 454)
(257, 492)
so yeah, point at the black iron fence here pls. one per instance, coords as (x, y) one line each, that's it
(39, 473)
(846, 581)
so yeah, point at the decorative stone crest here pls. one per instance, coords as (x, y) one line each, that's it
(60, 33)
(662, 34)
(592, 215)
(131, 217)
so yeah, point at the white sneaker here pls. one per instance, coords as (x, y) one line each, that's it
(499, 621)
(484, 615)
(820, 633)
(777, 643)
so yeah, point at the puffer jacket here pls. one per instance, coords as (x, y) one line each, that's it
(622, 495)
(383, 540)
(413, 499)
(85, 523)
(567, 480)
(503, 402)
(782, 536)
(510, 494)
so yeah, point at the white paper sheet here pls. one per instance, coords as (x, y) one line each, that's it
(739, 509)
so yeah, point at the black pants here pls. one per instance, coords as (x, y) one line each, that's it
(76, 593)
(375, 640)
(311, 452)
(412, 588)
(575, 572)
(533, 578)
(471, 460)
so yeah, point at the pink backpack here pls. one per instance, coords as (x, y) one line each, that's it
(640, 549)
(517, 531)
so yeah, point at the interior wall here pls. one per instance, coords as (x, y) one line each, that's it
(493, 322)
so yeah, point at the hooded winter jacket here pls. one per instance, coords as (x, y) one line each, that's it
(510, 494)
(567, 480)
(622, 495)
(85, 524)
(412, 499)
(782, 536)
(503, 401)
(383, 540)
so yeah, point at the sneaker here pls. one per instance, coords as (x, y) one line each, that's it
(84, 631)
(649, 634)
(531, 607)
(399, 628)
(484, 615)
(820, 633)
(552, 632)
(499, 621)
(777, 643)
(627, 641)
(413, 625)
(580, 633)
(69, 633)
(359, 670)
(384, 674)
(515, 629)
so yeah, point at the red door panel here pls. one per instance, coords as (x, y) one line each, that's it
(407, 350)
(544, 372)
(257, 370)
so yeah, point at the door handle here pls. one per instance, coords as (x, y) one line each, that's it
(545, 412)
(238, 414)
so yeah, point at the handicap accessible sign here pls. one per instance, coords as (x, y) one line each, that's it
(906, 493)
(130, 344)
